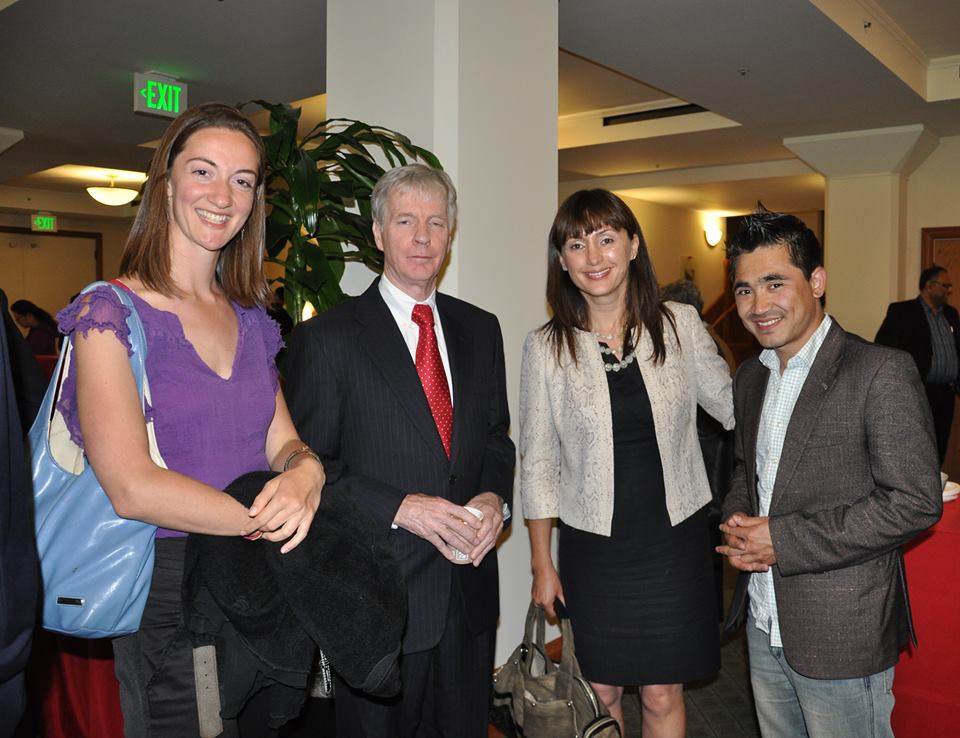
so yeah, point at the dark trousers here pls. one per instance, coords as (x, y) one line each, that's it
(155, 665)
(941, 399)
(13, 701)
(445, 691)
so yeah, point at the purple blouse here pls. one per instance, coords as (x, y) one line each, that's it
(208, 428)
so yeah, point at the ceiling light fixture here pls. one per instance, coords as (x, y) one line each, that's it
(112, 195)
(713, 235)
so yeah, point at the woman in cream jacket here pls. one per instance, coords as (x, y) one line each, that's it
(608, 442)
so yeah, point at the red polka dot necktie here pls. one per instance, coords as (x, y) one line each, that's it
(432, 376)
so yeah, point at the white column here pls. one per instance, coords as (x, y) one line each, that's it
(476, 83)
(865, 218)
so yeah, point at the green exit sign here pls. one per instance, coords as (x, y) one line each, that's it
(46, 222)
(158, 94)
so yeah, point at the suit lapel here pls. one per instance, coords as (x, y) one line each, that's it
(810, 402)
(380, 338)
(458, 340)
(752, 404)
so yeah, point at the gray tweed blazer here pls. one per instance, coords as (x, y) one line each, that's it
(858, 477)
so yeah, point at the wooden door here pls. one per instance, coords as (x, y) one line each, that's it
(941, 246)
(48, 269)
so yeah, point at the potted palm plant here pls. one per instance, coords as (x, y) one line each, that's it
(318, 190)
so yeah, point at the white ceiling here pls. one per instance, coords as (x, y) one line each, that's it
(66, 69)
(586, 85)
(780, 69)
(772, 68)
(933, 25)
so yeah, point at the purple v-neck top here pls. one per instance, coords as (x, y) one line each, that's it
(208, 428)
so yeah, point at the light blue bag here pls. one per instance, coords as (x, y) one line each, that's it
(96, 566)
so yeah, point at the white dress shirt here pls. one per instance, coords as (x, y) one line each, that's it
(778, 403)
(401, 308)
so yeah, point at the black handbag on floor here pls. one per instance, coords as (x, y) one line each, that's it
(535, 698)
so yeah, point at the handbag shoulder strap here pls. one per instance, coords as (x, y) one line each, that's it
(138, 339)
(535, 629)
(569, 667)
(534, 637)
(138, 343)
(49, 427)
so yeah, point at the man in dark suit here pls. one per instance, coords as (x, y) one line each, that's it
(419, 404)
(19, 572)
(835, 468)
(928, 329)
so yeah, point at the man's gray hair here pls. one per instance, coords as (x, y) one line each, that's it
(418, 177)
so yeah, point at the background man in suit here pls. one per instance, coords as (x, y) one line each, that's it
(835, 468)
(928, 329)
(19, 572)
(420, 405)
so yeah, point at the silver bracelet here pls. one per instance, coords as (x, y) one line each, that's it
(304, 449)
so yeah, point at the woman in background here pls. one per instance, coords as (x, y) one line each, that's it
(40, 325)
(608, 442)
(193, 267)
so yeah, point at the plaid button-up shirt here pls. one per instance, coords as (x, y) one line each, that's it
(778, 403)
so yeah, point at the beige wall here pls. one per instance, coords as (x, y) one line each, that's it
(114, 232)
(675, 239)
(861, 255)
(933, 201)
(51, 272)
(865, 275)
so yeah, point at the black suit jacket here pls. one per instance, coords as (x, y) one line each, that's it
(355, 396)
(905, 327)
(29, 380)
(858, 476)
(19, 571)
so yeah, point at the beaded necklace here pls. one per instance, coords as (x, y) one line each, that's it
(622, 364)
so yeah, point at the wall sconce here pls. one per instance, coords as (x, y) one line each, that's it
(713, 235)
(112, 195)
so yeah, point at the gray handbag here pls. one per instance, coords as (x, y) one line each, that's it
(534, 697)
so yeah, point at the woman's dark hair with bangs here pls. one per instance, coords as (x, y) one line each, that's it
(147, 253)
(581, 214)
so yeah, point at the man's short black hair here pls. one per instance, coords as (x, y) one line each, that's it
(776, 229)
(930, 275)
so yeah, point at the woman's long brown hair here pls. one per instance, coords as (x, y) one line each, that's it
(147, 252)
(581, 214)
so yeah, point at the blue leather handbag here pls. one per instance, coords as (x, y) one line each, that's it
(96, 566)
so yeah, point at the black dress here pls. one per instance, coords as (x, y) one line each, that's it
(641, 601)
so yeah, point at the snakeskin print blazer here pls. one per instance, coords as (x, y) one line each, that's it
(566, 430)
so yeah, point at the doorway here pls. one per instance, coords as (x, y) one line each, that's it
(48, 268)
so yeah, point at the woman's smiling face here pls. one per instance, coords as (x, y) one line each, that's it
(210, 188)
(598, 263)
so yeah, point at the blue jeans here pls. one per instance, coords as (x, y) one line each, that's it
(790, 704)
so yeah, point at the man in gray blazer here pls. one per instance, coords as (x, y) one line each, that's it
(836, 467)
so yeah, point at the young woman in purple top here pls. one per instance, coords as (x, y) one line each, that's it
(193, 263)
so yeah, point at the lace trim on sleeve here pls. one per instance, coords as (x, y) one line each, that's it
(272, 342)
(100, 309)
